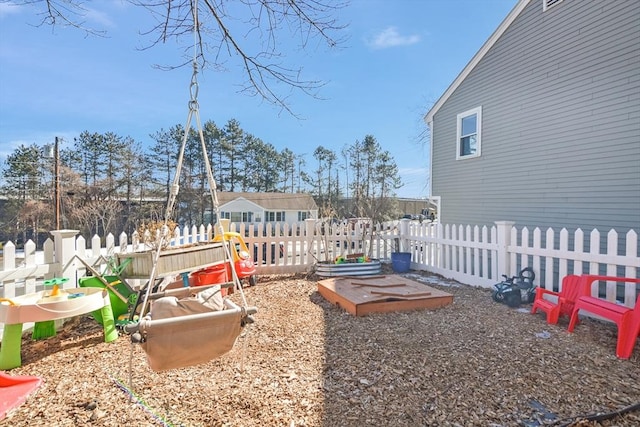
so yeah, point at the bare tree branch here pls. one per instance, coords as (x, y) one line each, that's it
(230, 30)
(67, 13)
(225, 26)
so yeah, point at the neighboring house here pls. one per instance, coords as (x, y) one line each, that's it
(265, 208)
(542, 127)
(416, 207)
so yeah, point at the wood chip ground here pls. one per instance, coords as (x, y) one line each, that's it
(306, 362)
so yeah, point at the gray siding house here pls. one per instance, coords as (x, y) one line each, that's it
(542, 127)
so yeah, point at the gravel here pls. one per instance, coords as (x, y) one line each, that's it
(306, 362)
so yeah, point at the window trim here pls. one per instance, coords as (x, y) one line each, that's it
(478, 112)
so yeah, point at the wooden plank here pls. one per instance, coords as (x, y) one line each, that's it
(337, 299)
(381, 285)
(408, 305)
(173, 260)
(411, 295)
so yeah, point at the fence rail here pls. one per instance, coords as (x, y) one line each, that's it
(472, 255)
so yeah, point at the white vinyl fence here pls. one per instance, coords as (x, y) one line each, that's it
(472, 255)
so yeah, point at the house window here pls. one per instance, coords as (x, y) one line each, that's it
(469, 132)
(546, 4)
(241, 216)
(271, 216)
(302, 215)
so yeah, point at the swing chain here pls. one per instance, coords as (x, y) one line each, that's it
(193, 88)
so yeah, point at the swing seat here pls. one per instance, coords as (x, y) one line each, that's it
(176, 332)
(186, 332)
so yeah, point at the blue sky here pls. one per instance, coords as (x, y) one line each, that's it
(399, 57)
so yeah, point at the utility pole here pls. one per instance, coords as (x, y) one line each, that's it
(56, 185)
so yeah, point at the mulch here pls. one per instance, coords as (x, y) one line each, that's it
(306, 362)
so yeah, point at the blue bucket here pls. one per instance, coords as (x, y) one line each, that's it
(401, 262)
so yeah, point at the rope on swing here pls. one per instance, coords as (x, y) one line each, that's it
(194, 111)
(236, 314)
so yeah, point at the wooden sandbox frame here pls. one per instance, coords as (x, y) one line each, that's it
(381, 294)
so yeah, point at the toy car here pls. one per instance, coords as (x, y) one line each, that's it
(244, 265)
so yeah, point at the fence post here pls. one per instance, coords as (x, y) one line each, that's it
(64, 243)
(404, 235)
(503, 229)
(309, 235)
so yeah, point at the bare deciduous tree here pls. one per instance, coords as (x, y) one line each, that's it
(98, 216)
(250, 32)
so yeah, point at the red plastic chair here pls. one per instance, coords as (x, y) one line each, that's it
(627, 319)
(565, 299)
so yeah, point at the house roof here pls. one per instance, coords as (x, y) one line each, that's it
(272, 201)
(476, 58)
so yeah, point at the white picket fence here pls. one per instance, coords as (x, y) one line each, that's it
(481, 255)
(279, 249)
(472, 255)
